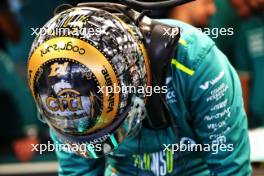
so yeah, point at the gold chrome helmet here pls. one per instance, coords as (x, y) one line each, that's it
(84, 57)
(76, 67)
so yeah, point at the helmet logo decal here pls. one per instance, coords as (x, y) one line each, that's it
(108, 82)
(68, 99)
(60, 47)
(58, 69)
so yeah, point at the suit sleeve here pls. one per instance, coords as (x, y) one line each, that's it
(72, 164)
(218, 116)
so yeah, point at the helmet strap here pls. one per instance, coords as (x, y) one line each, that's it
(161, 49)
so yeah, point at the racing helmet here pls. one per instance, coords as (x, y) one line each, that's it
(78, 67)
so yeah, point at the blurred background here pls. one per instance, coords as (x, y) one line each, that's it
(236, 26)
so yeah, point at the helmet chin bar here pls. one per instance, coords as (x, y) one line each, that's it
(160, 48)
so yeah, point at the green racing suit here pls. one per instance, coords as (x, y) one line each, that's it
(205, 98)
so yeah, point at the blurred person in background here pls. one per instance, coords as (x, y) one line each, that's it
(9, 29)
(249, 57)
(247, 8)
(19, 22)
(225, 18)
(18, 113)
(197, 13)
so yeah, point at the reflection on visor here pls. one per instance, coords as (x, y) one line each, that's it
(68, 96)
(108, 139)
